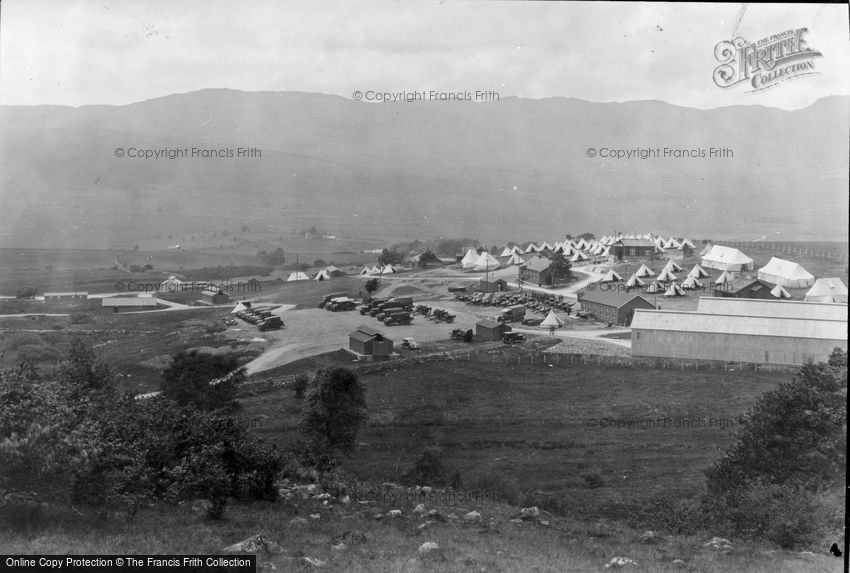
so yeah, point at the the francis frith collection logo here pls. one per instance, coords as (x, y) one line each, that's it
(764, 63)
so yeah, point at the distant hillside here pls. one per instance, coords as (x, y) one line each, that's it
(513, 169)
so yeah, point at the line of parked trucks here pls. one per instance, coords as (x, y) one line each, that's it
(391, 311)
(515, 305)
(263, 319)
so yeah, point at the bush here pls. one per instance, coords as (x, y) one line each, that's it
(70, 438)
(189, 380)
(299, 385)
(334, 411)
(593, 480)
(428, 470)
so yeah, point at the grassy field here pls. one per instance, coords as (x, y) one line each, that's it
(545, 430)
(135, 345)
(493, 544)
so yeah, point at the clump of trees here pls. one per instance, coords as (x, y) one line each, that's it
(782, 477)
(71, 437)
(275, 258)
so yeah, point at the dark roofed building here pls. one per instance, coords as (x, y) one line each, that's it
(117, 304)
(490, 329)
(538, 270)
(215, 296)
(367, 341)
(745, 288)
(495, 285)
(632, 249)
(66, 295)
(613, 306)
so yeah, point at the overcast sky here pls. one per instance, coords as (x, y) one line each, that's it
(76, 52)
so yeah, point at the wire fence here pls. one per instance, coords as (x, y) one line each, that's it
(824, 253)
(516, 356)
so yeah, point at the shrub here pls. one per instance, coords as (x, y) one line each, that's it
(334, 410)
(428, 470)
(593, 480)
(205, 381)
(71, 438)
(299, 385)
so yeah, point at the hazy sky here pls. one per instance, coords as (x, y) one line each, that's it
(77, 52)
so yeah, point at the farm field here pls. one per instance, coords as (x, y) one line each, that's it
(543, 431)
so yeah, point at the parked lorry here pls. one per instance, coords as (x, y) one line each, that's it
(513, 338)
(398, 318)
(270, 323)
(328, 297)
(462, 335)
(513, 313)
(341, 304)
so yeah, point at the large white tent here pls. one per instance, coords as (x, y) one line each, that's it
(706, 249)
(469, 259)
(727, 259)
(322, 275)
(827, 290)
(672, 267)
(515, 260)
(486, 262)
(786, 273)
(299, 276)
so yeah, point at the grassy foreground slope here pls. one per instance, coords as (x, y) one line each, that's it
(578, 440)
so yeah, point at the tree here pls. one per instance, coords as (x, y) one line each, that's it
(71, 438)
(27, 292)
(784, 477)
(587, 236)
(388, 257)
(205, 381)
(372, 285)
(299, 385)
(319, 263)
(561, 266)
(795, 434)
(275, 258)
(334, 410)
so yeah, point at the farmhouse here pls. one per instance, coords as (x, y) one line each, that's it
(497, 285)
(118, 304)
(744, 288)
(538, 270)
(490, 329)
(741, 330)
(366, 341)
(633, 249)
(215, 296)
(613, 306)
(66, 295)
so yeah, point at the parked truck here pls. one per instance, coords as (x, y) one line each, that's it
(513, 313)
(398, 318)
(270, 323)
(341, 304)
(329, 297)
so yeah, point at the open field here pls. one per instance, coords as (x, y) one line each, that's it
(542, 429)
(492, 544)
